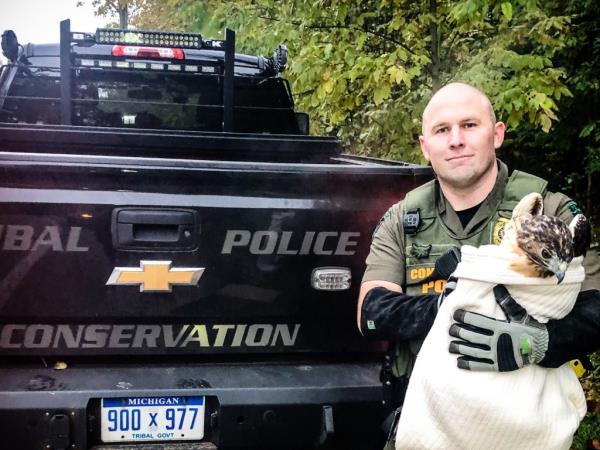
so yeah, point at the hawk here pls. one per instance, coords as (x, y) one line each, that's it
(544, 245)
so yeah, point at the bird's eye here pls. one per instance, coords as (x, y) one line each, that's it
(545, 254)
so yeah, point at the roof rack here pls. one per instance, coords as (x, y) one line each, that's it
(154, 39)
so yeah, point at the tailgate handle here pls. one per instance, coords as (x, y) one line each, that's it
(134, 228)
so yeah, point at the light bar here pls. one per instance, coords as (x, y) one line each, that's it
(152, 38)
(331, 278)
(143, 65)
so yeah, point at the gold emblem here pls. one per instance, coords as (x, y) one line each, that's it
(498, 232)
(155, 276)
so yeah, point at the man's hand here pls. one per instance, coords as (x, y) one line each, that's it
(501, 345)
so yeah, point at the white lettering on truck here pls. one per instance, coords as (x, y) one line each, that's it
(24, 238)
(265, 242)
(147, 336)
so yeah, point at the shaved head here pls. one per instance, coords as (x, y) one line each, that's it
(457, 90)
(460, 138)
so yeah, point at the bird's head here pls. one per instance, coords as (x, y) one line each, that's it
(548, 244)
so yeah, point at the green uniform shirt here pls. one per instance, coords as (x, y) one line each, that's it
(387, 259)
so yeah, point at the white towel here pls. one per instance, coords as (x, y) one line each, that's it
(531, 408)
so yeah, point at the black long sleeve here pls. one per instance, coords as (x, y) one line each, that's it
(395, 316)
(577, 334)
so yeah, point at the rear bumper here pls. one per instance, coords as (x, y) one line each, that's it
(250, 405)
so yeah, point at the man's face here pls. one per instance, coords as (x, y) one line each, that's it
(459, 137)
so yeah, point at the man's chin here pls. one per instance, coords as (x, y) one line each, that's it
(459, 179)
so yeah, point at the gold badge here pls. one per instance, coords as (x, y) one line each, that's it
(155, 276)
(498, 232)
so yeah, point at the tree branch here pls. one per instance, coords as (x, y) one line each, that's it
(317, 26)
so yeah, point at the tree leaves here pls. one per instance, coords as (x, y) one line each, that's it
(364, 70)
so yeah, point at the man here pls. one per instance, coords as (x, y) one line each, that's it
(468, 203)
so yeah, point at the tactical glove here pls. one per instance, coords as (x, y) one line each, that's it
(500, 345)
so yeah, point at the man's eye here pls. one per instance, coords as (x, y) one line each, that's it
(469, 125)
(441, 130)
(545, 254)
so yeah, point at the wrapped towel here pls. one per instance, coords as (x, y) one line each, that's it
(531, 408)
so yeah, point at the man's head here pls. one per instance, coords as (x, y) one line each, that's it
(460, 136)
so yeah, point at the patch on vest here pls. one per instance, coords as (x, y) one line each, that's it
(420, 251)
(498, 231)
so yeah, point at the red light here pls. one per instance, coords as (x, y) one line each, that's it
(118, 50)
(148, 52)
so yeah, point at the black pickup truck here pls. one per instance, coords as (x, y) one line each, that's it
(179, 259)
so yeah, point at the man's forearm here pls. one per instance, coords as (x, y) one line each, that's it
(577, 334)
(395, 316)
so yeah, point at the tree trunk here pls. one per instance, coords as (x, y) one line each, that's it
(123, 17)
(588, 195)
(435, 50)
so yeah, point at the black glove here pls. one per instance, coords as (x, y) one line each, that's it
(500, 345)
(395, 316)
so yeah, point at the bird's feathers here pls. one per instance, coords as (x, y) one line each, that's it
(532, 204)
(543, 245)
(581, 231)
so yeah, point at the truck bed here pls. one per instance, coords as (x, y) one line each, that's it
(276, 360)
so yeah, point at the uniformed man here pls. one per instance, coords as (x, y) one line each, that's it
(469, 202)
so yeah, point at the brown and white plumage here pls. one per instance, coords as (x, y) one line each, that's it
(543, 245)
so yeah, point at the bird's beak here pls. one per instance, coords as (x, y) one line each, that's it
(560, 272)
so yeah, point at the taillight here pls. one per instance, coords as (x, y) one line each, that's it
(147, 52)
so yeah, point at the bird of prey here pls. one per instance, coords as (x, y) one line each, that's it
(544, 245)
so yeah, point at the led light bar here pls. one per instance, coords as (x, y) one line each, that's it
(153, 38)
(107, 64)
(331, 278)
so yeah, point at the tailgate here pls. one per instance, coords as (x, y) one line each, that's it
(109, 255)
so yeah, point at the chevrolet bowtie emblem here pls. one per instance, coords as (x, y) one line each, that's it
(155, 276)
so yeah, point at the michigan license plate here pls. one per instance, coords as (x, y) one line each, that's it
(152, 419)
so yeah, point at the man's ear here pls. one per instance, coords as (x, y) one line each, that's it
(424, 147)
(499, 129)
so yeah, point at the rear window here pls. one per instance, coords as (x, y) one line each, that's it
(146, 99)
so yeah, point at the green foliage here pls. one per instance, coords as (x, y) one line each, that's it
(365, 70)
(588, 434)
(569, 154)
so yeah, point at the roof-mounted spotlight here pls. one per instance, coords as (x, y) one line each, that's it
(10, 45)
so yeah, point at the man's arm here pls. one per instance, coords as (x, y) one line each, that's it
(577, 334)
(366, 287)
(392, 315)
(385, 312)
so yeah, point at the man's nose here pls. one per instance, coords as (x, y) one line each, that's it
(456, 137)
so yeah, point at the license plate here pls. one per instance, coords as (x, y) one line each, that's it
(152, 419)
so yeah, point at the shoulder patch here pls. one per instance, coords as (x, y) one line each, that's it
(573, 207)
(386, 216)
(498, 231)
